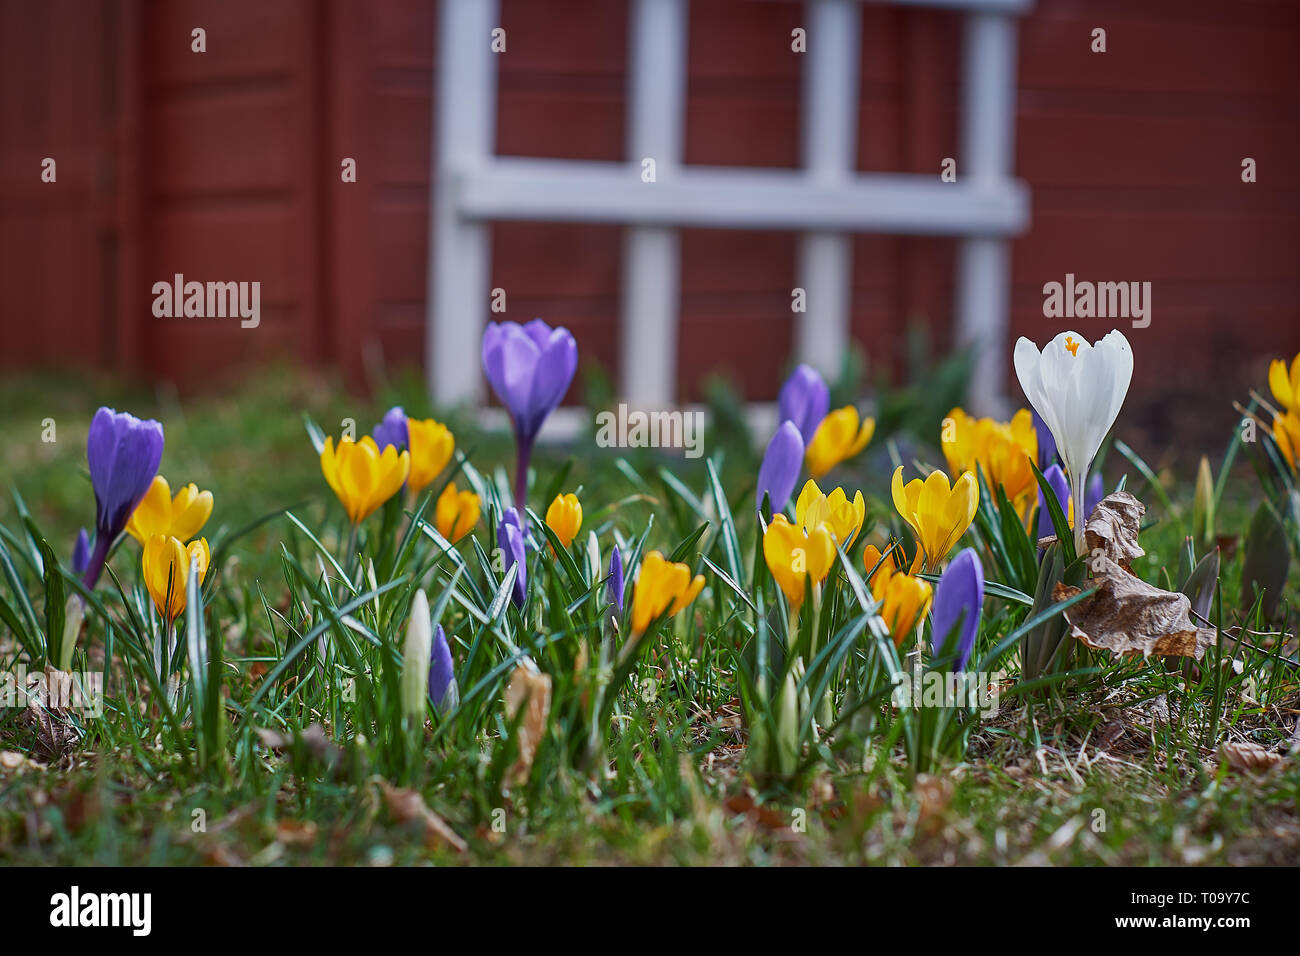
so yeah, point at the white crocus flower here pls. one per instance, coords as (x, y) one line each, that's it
(415, 663)
(1078, 390)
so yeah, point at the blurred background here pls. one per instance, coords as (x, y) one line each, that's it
(226, 166)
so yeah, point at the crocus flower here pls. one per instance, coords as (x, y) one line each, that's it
(615, 587)
(938, 514)
(123, 453)
(159, 512)
(361, 475)
(661, 586)
(456, 513)
(1061, 488)
(416, 655)
(442, 673)
(564, 517)
(1285, 385)
(840, 515)
(392, 430)
(166, 564)
(1092, 497)
(959, 598)
(794, 554)
(1078, 389)
(838, 438)
(431, 445)
(804, 400)
(1286, 435)
(511, 539)
(1004, 451)
(781, 464)
(530, 367)
(81, 552)
(903, 598)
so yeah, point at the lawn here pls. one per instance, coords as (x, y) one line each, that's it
(755, 724)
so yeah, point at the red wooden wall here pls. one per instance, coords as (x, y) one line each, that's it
(225, 166)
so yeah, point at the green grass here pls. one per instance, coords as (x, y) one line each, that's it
(1117, 762)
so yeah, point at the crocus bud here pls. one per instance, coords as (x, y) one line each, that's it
(510, 539)
(81, 552)
(804, 400)
(415, 660)
(1055, 476)
(442, 674)
(958, 600)
(615, 587)
(780, 469)
(392, 430)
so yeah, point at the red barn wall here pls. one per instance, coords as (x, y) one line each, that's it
(225, 166)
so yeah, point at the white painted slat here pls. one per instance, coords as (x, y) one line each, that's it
(829, 146)
(460, 246)
(741, 198)
(652, 254)
(984, 264)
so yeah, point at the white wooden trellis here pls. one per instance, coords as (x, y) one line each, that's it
(826, 201)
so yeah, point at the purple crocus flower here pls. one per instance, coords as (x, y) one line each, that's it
(1092, 496)
(1056, 480)
(1046, 443)
(615, 586)
(959, 597)
(123, 453)
(530, 367)
(81, 552)
(804, 400)
(512, 540)
(781, 465)
(442, 673)
(392, 430)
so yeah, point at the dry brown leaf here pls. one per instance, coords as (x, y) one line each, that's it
(1129, 616)
(1244, 756)
(295, 832)
(531, 689)
(1113, 527)
(408, 806)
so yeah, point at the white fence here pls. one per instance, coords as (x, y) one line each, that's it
(826, 200)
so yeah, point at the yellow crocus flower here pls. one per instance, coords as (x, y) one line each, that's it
(166, 561)
(361, 475)
(838, 438)
(160, 513)
(1286, 385)
(842, 516)
(456, 513)
(793, 554)
(1286, 433)
(564, 517)
(431, 445)
(1004, 450)
(939, 514)
(661, 585)
(904, 600)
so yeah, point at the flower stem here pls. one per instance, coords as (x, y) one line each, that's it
(96, 564)
(523, 453)
(1078, 486)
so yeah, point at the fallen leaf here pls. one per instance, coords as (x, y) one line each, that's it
(296, 832)
(1244, 756)
(408, 806)
(1113, 528)
(531, 689)
(1129, 616)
